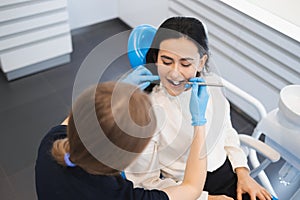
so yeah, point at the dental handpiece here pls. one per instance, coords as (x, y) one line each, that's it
(208, 84)
(199, 83)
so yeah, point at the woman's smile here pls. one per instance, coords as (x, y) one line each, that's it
(178, 61)
(176, 83)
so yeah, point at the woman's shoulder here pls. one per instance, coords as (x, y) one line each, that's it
(55, 133)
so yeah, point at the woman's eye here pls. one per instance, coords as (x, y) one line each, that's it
(167, 62)
(186, 64)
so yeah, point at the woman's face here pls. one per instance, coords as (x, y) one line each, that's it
(178, 60)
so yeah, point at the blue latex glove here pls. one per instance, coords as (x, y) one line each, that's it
(198, 102)
(141, 77)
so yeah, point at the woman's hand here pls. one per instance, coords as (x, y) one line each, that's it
(246, 184)
(141, 77)
(198, 102)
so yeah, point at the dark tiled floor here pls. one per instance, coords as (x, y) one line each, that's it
(33, 104)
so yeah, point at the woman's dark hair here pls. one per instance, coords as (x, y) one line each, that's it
(174, 28)
(178, 27)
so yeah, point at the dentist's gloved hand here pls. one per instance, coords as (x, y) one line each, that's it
(141, 77)
(198, 102)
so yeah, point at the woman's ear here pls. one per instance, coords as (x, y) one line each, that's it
(202, 63)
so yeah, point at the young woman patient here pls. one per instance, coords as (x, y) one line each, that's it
(180, 52)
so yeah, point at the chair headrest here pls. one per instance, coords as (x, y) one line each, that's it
(139, 42)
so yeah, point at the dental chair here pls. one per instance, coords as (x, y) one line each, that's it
(140, 40)
(252, 145)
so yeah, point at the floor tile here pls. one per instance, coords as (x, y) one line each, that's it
(22, 128)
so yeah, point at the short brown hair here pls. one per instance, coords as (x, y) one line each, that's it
(109, 126)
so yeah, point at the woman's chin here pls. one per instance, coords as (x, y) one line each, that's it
(175, 91)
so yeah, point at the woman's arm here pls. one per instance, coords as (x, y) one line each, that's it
(232, 147)
(195, 172)
(238, 160)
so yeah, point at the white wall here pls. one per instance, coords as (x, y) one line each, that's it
(87, 12)
(137, 12)
(281, 15)
(286, 9)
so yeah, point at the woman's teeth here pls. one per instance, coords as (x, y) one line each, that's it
(176, 83)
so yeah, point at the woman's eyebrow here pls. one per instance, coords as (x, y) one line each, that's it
(166, 57)
(182, 59)
(186, 59)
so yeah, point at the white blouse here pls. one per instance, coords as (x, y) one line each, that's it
(168, 150)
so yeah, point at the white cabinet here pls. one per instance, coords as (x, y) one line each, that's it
(137, 12)
(34, 35)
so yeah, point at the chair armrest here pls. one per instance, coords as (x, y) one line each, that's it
(260, 147)
(247, 97)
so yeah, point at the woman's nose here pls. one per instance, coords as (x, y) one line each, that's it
(175, 66)
(175, 72)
